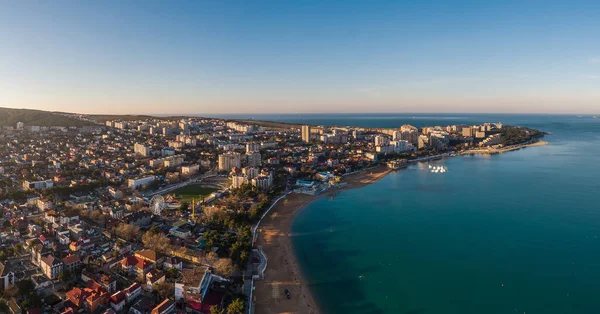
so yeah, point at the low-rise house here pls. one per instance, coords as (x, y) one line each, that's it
(132, 292)
(89, 297)
(142, 305)
(182, 232)
(105, 281)
(140, 218)
(136, 266)
(7, 276)
(173, 262)
(117, 301)
(51, 266)
(153, 278)
(194, 288)
(71, 263)
(150, 256)
(165, 307)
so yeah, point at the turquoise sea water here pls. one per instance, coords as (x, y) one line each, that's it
(512, 233)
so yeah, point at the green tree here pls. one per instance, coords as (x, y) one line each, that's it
(25, 286)
(65, 276)
(216, 310)
(3, 306)
(172, 273)
(236, 307)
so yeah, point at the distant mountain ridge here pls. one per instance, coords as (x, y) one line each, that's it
(10, 117)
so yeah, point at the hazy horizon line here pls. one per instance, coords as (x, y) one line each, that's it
(315, 113)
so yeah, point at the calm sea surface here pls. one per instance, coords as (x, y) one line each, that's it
(512, 233)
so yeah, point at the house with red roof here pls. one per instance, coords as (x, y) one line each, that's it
(44, 240)
(68, 310)
(71, 262)
(136, 265)
(88, 298)
(132, 292)
(165, 307)
(117, 301)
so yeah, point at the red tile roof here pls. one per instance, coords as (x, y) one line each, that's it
(70, 259)
(163, 306)
(117, 297)
(132, 288)
(136, 262)
(211, 299)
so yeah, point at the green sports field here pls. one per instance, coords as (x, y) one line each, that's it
(193, 191)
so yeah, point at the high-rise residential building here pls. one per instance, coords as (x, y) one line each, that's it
(121, 125)
(409, 133)
(250, 172)
(306, 133)
(141, 150)
(252, 147)
(262, 182)
(438, 140)
(253, 159)
(229, 160)
(183, 125)
(396, 135)
(381, 140)
(423, 141)
(238, 180)
(467, 132)
(20, 125)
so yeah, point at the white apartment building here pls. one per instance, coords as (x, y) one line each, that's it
(190, 170)
(262, 182)
(37, 185)
(135, 183)
(252, 147)
(238, 180)
(250, 172)
(253, 159)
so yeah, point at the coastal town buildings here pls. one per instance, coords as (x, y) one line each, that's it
(79, 204)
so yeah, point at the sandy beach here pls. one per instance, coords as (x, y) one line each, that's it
(282, 269)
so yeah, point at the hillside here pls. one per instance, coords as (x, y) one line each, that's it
(10, 117)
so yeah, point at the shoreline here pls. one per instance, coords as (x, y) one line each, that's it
(274, 238)
(503, 149)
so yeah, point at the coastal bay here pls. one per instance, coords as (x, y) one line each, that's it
(274, 238)
(491, 235)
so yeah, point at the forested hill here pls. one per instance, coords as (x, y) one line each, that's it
(10, 117)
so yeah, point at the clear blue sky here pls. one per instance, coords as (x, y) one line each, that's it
(300, 56)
